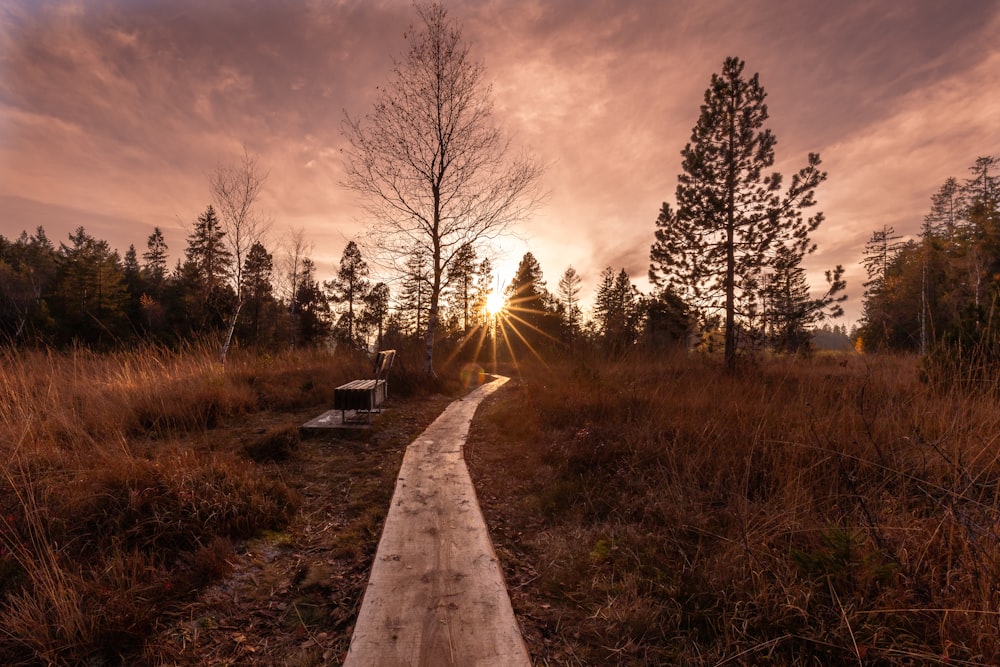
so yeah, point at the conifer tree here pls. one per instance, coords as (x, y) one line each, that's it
(155, 259)
(349, 287)
(484, 287)
(616, 311)
(28, 271)
(731, 216)
(91, 292)
(377, 310)
(413, 297)
(569, 292)
(528, 306)
(207, 252)
(257, 289)
(461, 276)
(313, 307)
(790, 312)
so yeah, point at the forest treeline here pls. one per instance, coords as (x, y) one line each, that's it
(937, 291)
(924, 294)
(725, 259)
(83, 292)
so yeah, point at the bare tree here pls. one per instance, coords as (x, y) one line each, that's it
(433, 168)
(296, 250)
(236, 189)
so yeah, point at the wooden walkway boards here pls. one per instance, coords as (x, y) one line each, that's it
(436, 595)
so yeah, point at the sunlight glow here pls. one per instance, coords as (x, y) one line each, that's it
(494, 303)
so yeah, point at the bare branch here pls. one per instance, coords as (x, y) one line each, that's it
(431, 166)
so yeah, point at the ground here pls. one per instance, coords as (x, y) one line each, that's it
(291, 597)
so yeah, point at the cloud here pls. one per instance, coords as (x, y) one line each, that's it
(122, 108)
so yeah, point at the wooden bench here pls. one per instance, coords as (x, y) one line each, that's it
(365, 395)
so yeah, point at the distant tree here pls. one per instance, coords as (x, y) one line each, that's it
(891, 315)
(377, 310)
(528, 313)
(461, 279)
(982, 243)
(668, 320)
(237, 189)
(257, 289)
(155, 259)
(946, 212)
(414, 295)
(616, 311)
(135, 286)
(296, 250)
(28, 270)
(349, 286)
(790, 311)
(90, 294)
(199, 296)
(527, 289)
(130, 264)
(432, 166)
(484, 288)
(207, 252)
(879, 254)
(569, 293)
(314, 309)
(730, 216)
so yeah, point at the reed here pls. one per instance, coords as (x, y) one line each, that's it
(832, 510)
(112, 505)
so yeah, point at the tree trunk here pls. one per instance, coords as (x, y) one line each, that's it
(730, 353)
(432, 316)
(229, 332)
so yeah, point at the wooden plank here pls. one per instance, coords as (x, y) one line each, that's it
(436, 595)
(357, 395)
(335, 419)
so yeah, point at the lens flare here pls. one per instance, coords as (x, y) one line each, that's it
(494, 303)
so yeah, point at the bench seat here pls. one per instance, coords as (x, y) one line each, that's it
(365, 395)
(359, 395)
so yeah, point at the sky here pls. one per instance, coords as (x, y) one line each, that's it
(114, 113)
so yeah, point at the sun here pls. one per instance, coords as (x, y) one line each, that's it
(494, 303)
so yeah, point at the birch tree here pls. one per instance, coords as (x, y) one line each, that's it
(236, 189)
(433, 168)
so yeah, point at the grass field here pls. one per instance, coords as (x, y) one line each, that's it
(824, 511)
(126, 479)
(833, 510)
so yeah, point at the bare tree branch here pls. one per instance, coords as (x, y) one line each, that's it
(431, 166)
(236, 190)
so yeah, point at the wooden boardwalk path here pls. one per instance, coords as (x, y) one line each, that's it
(436, 595)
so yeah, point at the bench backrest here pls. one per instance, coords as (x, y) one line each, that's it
(383, 362)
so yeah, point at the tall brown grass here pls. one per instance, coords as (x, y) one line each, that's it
(109, 509)
(826, 511)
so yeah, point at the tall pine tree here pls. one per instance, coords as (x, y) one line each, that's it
(349, 287)
(569, 294)
(731, 217)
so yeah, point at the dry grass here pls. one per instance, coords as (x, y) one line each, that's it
(119, 496)
(806, 512)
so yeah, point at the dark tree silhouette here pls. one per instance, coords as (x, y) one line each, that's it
(432, 167)
(349, 286)
(569, 293)
(377, 310)
(461, 279)
(155, 259)
(257, 289)
(731, 217)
